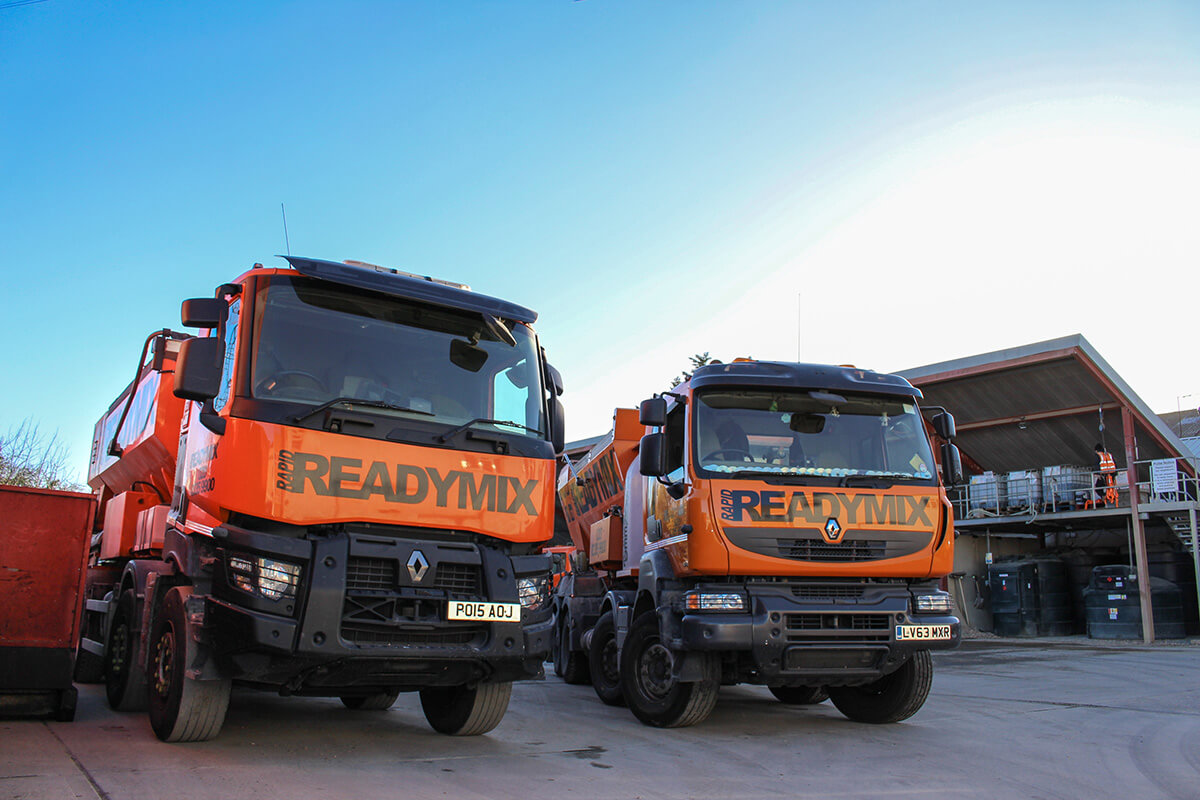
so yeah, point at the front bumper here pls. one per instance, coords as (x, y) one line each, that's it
(792, 634)
(361, 618)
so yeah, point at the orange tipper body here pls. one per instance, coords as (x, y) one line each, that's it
(595, 487)
(346, 478)
(783, 524)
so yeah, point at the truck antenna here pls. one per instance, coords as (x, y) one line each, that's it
(286, 243)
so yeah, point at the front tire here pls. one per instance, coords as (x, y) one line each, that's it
(654, 695)
(570, 665)
(604, 661)
(799, 695)
(892, 698)
(380, 701)
(182, 709)
(124, 678)
(459, 711)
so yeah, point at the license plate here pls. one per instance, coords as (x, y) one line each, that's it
(486, 612)
(922, 632)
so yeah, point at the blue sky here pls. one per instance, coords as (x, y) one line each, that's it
(879, 183)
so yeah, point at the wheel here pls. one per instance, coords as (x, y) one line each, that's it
(459, 711)
(603, 661)
(653, 694)
(182, 709)
(558, 648)
(124, 678)
(89, 667)
(381, 701)
(893, 697)
(570, 665)
(800, 695)
(67, 699)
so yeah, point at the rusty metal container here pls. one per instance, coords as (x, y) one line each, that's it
(44, 538)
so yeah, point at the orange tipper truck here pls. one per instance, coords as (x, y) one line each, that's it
(768, 523)
(337, 489)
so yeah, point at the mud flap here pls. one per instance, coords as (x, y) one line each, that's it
(689, 667)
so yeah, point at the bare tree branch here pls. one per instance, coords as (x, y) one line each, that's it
(30, 458)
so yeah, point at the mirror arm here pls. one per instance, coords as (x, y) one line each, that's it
(579, 479)
(210, 419)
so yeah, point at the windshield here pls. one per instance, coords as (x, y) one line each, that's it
(317, 343)
(811, 434)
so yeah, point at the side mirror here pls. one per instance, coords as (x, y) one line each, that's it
(952, 474)
(198, 370)
(203, 312)
(653, 454)
(558, 426)
(653, 412)
(554, 379)
(943, 425)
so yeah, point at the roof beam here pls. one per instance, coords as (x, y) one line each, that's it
(994, 367)
(1053, 414)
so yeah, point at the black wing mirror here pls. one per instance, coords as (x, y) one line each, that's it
(653, 413)
(203, 312)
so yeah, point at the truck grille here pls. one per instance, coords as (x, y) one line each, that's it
(378, 610)
(817, 549)
(382, 575)
(816, 627)
(457, 578)
(825, 592)
(803, 544)
(371, 574)
(365, 635)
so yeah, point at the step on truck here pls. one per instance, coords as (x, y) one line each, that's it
(337, 488)
(766, 523)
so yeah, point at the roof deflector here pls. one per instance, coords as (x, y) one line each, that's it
(401, 284)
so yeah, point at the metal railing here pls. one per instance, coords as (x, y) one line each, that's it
(1168, 480)
(1039, 492)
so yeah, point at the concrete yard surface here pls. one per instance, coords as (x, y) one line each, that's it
(1003, 720)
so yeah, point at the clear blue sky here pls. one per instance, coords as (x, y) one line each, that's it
(890, 184)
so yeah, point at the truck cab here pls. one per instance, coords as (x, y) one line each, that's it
(362, 477)
(789, 528)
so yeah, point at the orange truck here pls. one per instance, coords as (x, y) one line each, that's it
(338, 488)
(767, 523)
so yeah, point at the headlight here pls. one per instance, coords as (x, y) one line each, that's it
(533, 592)
(934, 604)
(266, 577)
(698, 600)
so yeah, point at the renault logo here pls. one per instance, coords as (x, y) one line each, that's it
(417, 565)
(832, 531)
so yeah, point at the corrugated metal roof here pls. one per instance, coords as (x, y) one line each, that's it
(1041, 405)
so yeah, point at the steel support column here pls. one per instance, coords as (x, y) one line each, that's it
(1195, 550)
(1141, 560)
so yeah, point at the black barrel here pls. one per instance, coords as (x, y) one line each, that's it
(1031, 597)
(1176, 566)
(1112, 605)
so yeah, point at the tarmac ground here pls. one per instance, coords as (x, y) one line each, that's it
(1033, 719)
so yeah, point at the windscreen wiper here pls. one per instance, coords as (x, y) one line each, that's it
(355, 401)
(868, 480)
(449, 434)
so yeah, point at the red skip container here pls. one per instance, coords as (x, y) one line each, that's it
(44, 538)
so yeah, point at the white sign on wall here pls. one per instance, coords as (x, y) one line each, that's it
(1164, 477)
